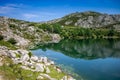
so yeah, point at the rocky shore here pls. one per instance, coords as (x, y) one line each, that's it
(27, 61)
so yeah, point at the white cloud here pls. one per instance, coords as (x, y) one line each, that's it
(30, 15)
(9, 8)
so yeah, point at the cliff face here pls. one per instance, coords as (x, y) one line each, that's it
(89, 20)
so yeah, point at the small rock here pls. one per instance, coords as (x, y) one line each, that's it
(67, 78)
(24, 67)
(1, 59)
(47, 77)
(39, 78)
(23, 52)
(52, 62)
(32, 67)
(58, 70)
(12, 54)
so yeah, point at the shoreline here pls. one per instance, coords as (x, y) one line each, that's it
(27, 61)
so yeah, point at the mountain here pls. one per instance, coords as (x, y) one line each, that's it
(89, 19)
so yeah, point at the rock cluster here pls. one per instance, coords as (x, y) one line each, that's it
(32, 63)
(24, 33)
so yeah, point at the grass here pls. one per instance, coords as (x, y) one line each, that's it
(55, 74)
(14, 71)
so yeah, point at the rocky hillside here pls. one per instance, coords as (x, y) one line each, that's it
(24, 32)
(89, 19)
(16, 62)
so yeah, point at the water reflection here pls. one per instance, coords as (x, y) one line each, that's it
(87, 49)
(93, 59)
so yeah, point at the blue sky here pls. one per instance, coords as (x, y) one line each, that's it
(44, 10)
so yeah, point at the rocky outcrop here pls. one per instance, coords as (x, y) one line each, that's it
(88, 19)
(8, 33)
(55, 38)
(30, 62)
(24, 32)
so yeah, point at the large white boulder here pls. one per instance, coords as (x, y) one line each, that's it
(12, 54)
(44, 59)
(39, 67)
(52, 62)
(25, 57)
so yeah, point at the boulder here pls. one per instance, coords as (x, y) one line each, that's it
(52, 62)
(39, 67)
(25, 57)
(23, 52)
(45, 59)
(17, 61)
(25, 67)
(58, 70)
(40, 78)
(12, 54)
(34, 58)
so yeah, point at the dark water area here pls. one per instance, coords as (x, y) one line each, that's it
(91, 59)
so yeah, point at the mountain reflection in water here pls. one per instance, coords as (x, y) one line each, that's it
(92, 59)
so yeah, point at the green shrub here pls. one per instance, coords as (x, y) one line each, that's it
(12, 41)
(1, 37)
(12, 25)
(30, 54)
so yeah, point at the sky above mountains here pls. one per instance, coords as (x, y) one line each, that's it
(43, 10)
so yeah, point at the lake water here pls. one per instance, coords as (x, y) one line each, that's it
(87, 59)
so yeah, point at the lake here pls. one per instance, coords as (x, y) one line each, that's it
(90, 59)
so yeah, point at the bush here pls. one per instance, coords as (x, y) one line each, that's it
(12, 41)
(30, 54)
(1, 37)
(12, 25)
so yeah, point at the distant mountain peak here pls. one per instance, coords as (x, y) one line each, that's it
(88, 19)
